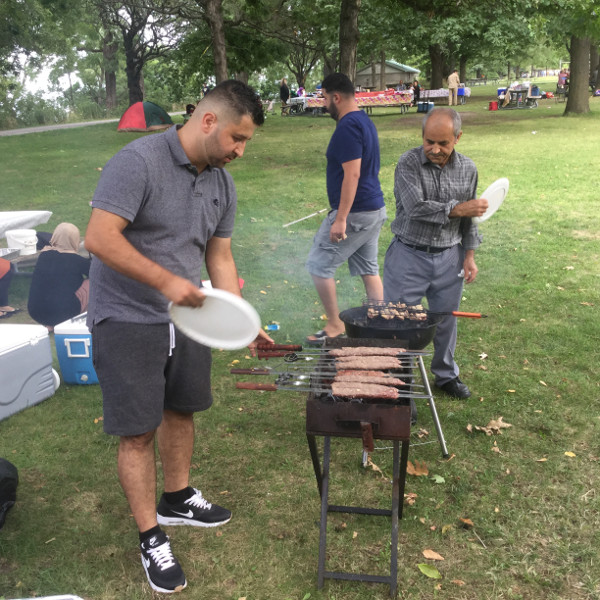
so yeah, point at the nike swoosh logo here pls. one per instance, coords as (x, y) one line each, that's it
(189, 514)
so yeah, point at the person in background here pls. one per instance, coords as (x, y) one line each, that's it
(433, 250)
(284, 95)
(453, 85)
(350, 232)
(7, 271)
(400, 87)
(189, 110)
(59, 286)
(416, 88)
(164, 207)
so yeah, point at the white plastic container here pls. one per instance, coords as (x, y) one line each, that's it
(26, 373)
(24, 239)
(74, 351)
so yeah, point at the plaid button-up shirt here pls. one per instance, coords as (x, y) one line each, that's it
(426, 194)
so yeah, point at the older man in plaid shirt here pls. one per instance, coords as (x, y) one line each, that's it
(433, 250)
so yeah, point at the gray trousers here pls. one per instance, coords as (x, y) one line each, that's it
(409, 275)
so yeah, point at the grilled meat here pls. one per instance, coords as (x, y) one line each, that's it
(364, 391)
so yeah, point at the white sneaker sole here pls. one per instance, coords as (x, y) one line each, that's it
(157, 588)
(174, 521)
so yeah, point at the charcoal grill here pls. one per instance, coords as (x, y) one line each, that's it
(370, 420)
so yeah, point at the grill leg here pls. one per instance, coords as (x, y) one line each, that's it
(434, 415)
(314, 455)
(324, 507)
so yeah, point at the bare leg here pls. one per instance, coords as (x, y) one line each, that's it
(373, 287)
(328, 295)
(176, 445)
(137, 474)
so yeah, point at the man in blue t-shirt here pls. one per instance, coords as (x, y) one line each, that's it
(350, 232)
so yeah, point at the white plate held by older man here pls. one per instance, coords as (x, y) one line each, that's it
(495, 195)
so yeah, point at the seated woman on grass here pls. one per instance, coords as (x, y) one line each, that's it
(59, 287)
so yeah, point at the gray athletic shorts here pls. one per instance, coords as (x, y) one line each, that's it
(139, 379)
(360, 248)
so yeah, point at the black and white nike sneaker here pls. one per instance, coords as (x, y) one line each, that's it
(195, 511)
(162, 569)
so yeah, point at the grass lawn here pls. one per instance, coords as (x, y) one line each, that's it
(530, 492)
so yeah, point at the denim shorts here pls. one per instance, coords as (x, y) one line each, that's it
(140, 376)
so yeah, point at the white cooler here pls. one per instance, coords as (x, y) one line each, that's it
(74, 351)
(26, 373)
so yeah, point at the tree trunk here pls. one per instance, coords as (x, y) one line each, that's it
(437, 64)
(349, 37)
(214, 18)
(382, 81)
(132, 70)
(462, 69)
(109, 55)
(578, 101)
(373, 73)
(242, 76)
(329, 64)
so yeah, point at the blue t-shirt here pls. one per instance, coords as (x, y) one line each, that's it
(355, 137)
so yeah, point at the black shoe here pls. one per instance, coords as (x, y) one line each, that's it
(195, 511)
(455, 388)
(162, 569)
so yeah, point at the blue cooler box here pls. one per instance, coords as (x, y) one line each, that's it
(425, 106)
(74, 351)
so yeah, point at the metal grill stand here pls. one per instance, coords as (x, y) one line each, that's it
(368, 421)
(398, 419)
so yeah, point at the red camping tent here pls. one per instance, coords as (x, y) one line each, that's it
(144, 116)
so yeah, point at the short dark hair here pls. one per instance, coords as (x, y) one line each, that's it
(239, 98)
(338, 82)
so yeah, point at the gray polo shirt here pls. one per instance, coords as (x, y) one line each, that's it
(172, 211)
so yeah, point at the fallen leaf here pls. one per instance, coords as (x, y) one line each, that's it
(511, 391)
(219, 533)
(354, 535)
(422, 519)
(543, 383)
(433, 528)
(482, 367)
(496, 449)
(586, 303)
(466, 523)
(447, 528)
(422, 433)
(570, 454)
(541, 460)
(323, 317)
(483, 356)
(429, 571)
(569, 268)
(418, 469)
(410, 498)
(496, 510)
(494, 426)
(438, 479)
(470, 428)
(458, 582)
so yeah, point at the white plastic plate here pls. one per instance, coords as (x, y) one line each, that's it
(495, 195)
(224, 320)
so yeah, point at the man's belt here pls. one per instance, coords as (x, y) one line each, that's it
(428, 249)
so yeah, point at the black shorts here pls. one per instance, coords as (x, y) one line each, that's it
(139, 379)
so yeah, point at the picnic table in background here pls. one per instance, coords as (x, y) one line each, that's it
(367, 100)
(442, 94)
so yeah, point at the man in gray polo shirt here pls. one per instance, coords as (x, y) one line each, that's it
(164, 205)
(433, 251)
